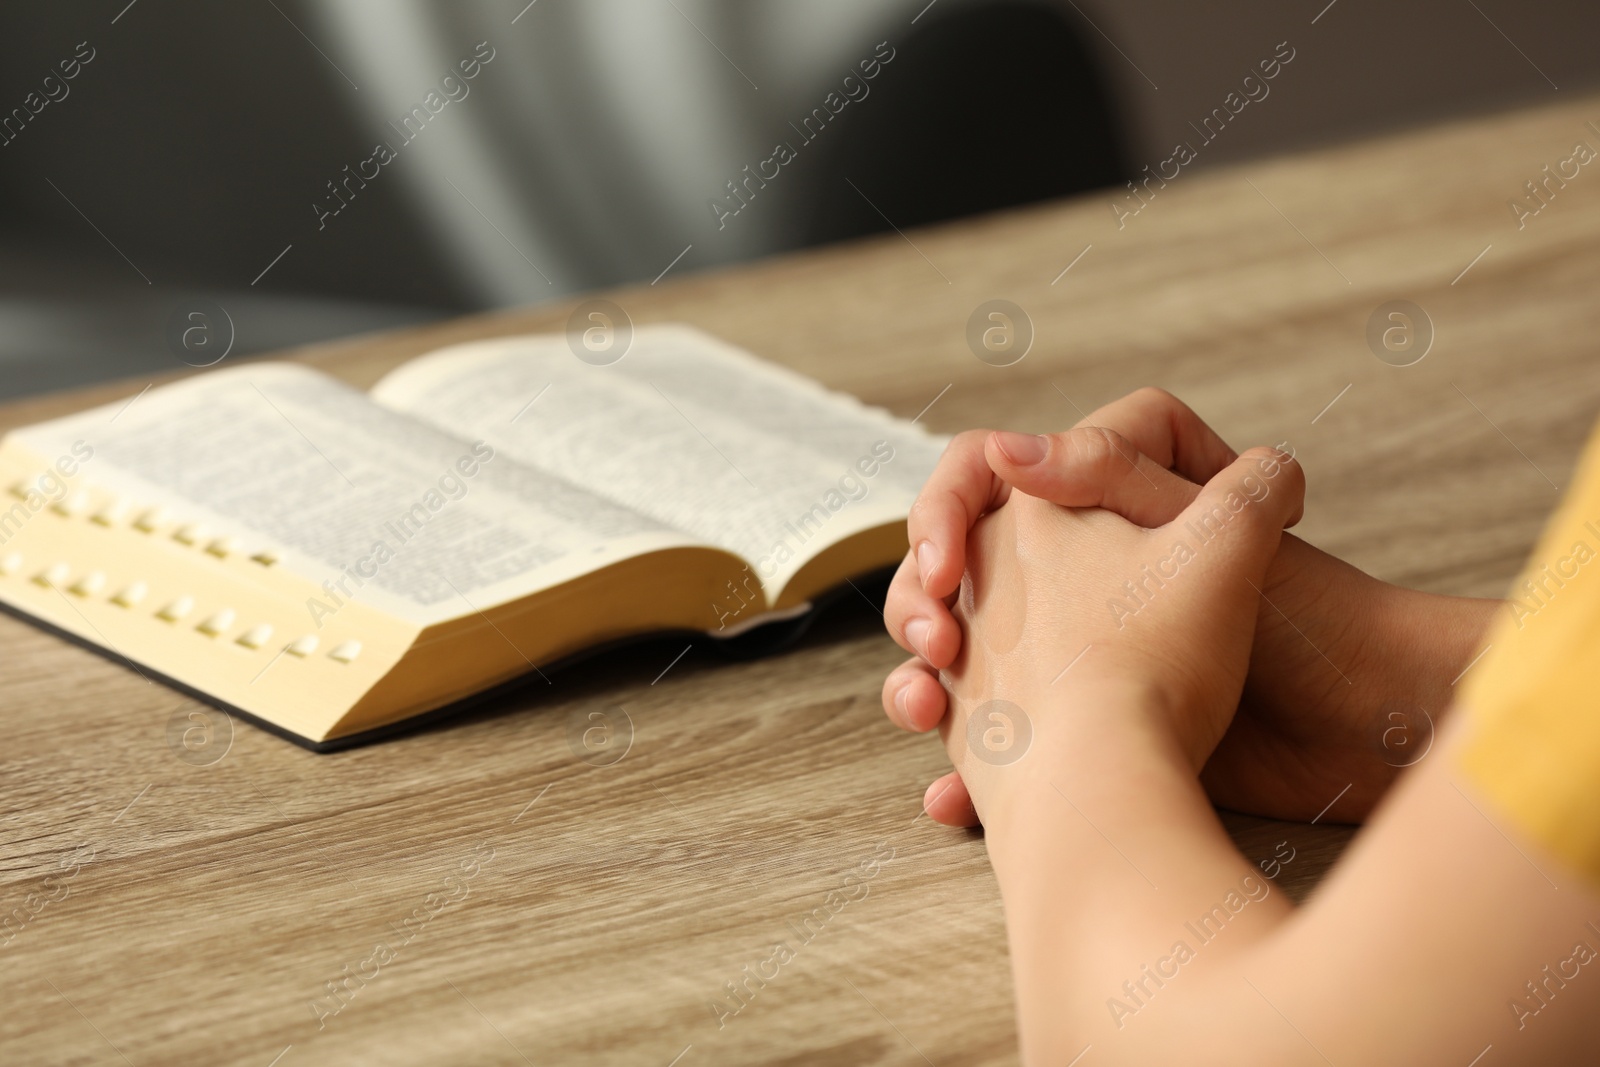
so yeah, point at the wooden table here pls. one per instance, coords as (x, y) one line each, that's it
(608, 907)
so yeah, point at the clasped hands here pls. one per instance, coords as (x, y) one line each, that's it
(1132, 574)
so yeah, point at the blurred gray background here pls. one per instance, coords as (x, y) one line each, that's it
(203, 149)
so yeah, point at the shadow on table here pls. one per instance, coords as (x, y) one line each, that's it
(846, 614)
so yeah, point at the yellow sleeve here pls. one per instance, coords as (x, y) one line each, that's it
(1532, 742)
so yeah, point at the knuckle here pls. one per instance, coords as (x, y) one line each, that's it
(1100, 448)
(930, 506)
(903, 589)
(1090, 442)
(1154, 395)
(894, 605)
(1155, 398)
(1281, 467)
(1123, 447)
(1294, 476)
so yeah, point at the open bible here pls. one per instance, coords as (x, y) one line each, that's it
(332, 563)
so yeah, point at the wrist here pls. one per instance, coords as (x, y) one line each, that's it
(1110, 739)
(1422, 642)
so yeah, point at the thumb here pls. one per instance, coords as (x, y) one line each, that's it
(1090, 467)
(1241, 513)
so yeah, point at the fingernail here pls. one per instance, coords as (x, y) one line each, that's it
(900, 701)
(1023, 449)
(927, 560)
(917, 634)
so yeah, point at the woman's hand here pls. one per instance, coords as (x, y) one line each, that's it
(1056, 648)
(1348, 675)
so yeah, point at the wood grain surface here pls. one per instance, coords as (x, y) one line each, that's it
(535, 908)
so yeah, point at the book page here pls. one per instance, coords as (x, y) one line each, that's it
(688, 430)
(389, 511)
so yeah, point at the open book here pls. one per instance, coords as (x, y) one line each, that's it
(332, 562)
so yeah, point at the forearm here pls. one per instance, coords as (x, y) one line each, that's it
(1110, 857)
(1433, 929)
